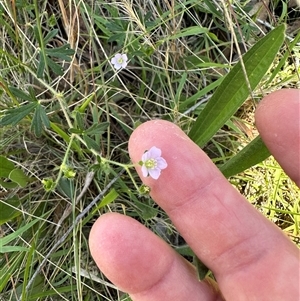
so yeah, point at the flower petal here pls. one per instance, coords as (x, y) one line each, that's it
(161, 163)
(154, 152)
(145, 156)
(117, 66)
(144, 171)
(124, 57)
(154, 173)
(118, 56)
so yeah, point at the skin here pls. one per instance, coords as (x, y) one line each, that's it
(251, 258)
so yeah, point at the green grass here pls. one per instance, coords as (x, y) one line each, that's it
(66, 114)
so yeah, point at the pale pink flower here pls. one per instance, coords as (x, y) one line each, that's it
(152, 163)
(119, 61)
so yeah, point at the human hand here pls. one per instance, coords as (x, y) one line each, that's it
(250, 257)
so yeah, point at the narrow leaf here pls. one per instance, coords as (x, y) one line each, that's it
(90, 143)
(250, 155)
(190, 31)
(65, 136)
(233, 90)
(9, 210)
(8, 238)
(14, 116)
(36, 124)
(56, 68)
(201, 268)
(7, 249)
(200, 94)
(50, 36)
(41, 66)
(75, 131)
(97, 129)
(109, 198)
(180, 87)
(20, 94)
(44, 117)
(39, 120)
(63, 52)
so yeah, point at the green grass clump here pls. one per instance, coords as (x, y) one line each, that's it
(66, 116)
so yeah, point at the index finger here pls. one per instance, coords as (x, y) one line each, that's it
(222, 228)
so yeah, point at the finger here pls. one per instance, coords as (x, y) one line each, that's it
(278, 121)
(222, 228)
(143, 265)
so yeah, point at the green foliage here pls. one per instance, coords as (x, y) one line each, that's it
(234, 89)
(15, 115)
(231, 94)
(4, 241)
(9, 210)
(252, 154)
(66, 116)
(11, 177)
(88, 134)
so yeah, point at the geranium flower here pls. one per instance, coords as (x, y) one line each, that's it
(152, 163)
(119, 61)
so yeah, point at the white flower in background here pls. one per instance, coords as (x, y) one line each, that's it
(119, 61)
(152, 163)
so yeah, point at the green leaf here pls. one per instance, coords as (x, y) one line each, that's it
(101, 22)
(50, 35)
(37, 35)
(36, 124)
(56, 68)
(65, 136)
(180, 87)
(109, 198)
(75, 131)
(41, 66)
(67, 187)
(146, 211)
(202, 269)
(14, 116)
(7, 249)
(184, 250)
(90, 143)
(6, 166)
(97, 129)
(20, 94)
(44, 117)
(285, 57)
(18, 176)
(8, 212)
(8, 185)
(118, 37)
(39, 120)
(79, 120)
(190, 31)
(250, 155)
(8, 238)
(63, 52)
(233, 90)
(200, 94)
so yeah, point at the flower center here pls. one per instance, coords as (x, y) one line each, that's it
(120, 60)
(150, 163)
